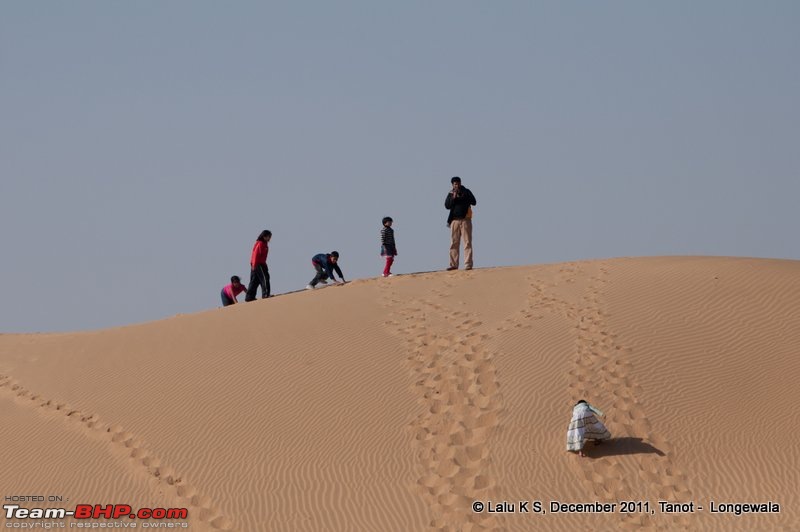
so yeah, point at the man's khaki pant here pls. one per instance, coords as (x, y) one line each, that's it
(461, 229)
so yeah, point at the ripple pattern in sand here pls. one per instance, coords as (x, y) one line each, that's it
(209, 513)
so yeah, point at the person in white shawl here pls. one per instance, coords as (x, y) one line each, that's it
(585, 426)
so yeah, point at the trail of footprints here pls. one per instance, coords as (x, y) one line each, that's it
(600, 364)
(142, 457)
(455, 381)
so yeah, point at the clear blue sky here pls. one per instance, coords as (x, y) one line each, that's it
(144, 145)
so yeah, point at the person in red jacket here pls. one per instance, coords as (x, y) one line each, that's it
(259, 273)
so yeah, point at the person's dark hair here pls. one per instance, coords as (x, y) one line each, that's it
(264, 234)
(581, 401)
(335, 254)
(235, 279)
(455, 179)
(387, 219)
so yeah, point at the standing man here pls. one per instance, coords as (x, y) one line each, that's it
(459, 202)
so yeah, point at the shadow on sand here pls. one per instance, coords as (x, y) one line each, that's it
(620, 446)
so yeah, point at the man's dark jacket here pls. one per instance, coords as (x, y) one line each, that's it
(459, 206)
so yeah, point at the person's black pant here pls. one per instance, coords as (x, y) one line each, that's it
(259, 276)
(321, 274)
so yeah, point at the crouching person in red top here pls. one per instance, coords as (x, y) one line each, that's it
(259, 273)
(229, 292)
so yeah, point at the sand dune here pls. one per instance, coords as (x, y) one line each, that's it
(394, 404)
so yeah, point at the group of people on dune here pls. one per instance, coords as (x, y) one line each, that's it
(459, 203)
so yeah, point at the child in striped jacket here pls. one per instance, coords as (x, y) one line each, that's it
(388, 247)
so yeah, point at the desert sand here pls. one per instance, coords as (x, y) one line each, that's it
(394, 404)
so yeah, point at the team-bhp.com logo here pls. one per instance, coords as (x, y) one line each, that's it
(96, 511)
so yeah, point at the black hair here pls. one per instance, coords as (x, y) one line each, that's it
(455, 179)
(335, 254)
(581, 401)
(235, 279)
(264, 234)
(387, 219)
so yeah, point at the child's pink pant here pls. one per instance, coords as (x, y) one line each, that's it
(388, 268)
